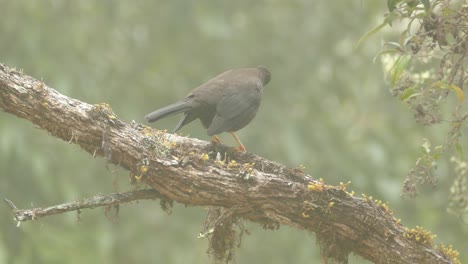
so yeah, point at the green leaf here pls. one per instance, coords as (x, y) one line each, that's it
(407, 93)
(408, 39)
(403, 37)
(443, 85)
(440, 85)
(387, 51)
(394, 44)
(370, 33)
(398, 68)
(388, 20)
(458, 91)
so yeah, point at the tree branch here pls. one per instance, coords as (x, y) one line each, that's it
(195, 172)
(93, 202)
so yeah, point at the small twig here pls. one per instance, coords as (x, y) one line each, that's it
(22, 215)
(11, 204)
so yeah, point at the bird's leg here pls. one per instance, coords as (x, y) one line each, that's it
(241, 146)
(216, 140)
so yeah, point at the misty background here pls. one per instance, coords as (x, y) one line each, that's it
(327, 108)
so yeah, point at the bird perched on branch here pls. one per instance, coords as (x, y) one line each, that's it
(225, 103)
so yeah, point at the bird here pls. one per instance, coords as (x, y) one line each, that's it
(226, 103)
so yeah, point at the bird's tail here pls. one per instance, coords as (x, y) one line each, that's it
(169, 110)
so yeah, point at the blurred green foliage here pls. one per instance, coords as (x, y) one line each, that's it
(327, 108)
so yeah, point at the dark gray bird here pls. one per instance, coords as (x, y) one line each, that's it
(225, 103)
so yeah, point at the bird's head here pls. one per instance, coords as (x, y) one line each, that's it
(265, 74)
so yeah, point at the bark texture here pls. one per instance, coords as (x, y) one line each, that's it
(197, 173)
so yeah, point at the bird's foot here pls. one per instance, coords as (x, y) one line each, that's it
(241, 148)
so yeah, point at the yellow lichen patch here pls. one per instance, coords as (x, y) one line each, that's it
(451, 253)
(104, 105)
(379, 203)
(365, 197)
(316, 186)
(164, 144)
(45, 104)
(103, 111)
(39, 86)
(308, 208)
(245, 170)
(344, 185)
(398, 221)
(219, 162)
(329, 207)
(172, 144)
(163, 140)
(143, 169)
(384, 206)
(419, 235)
(205, 157)
(248, 167)
(387, 208)
(148, 132)
(301, 168)
(232, 165)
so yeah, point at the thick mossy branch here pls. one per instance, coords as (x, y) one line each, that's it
(195, 172)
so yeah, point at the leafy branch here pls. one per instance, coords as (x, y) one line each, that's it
(426, 64)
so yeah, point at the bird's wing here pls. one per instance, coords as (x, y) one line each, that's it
(188, 117)
(236, 107)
